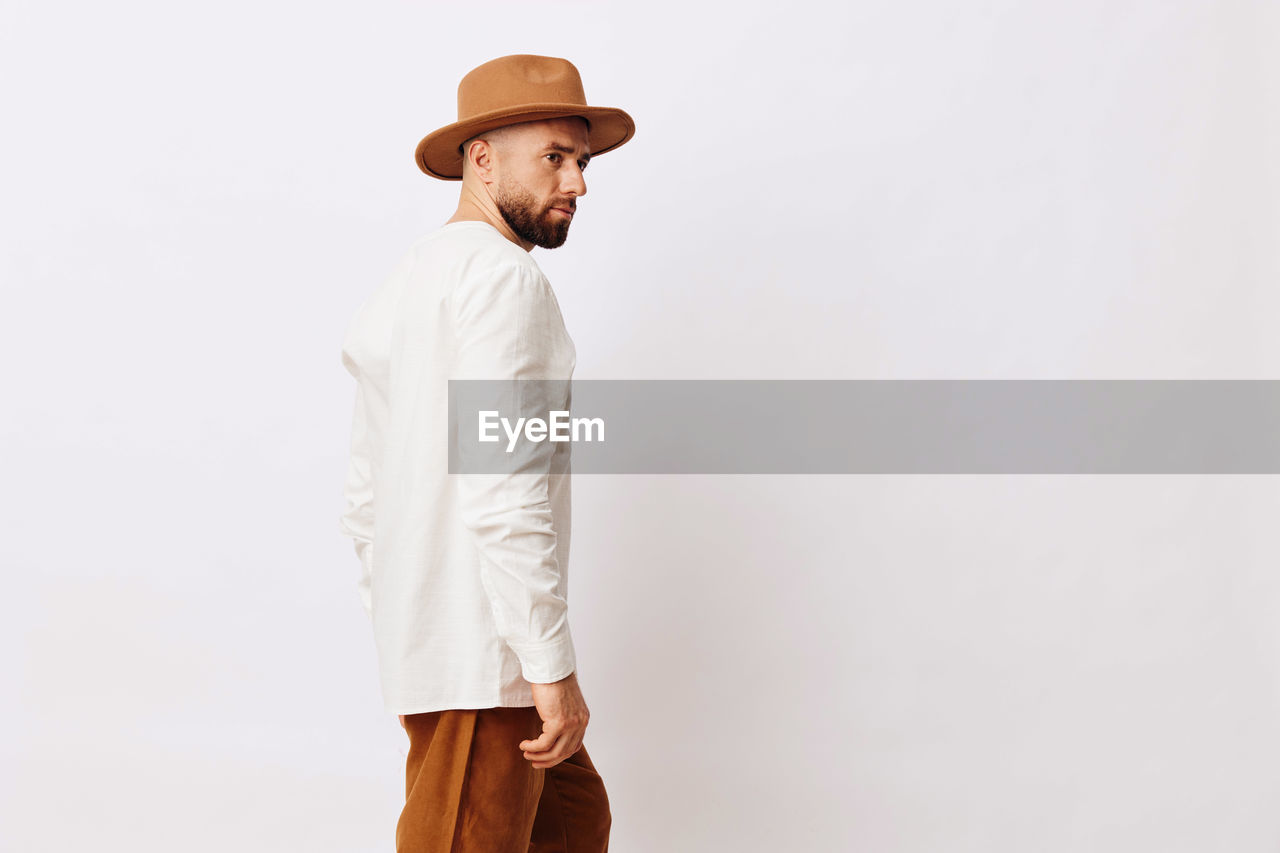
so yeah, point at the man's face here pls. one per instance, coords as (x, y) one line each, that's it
(540, 178)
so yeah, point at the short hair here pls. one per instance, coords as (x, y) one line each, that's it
(497, 137)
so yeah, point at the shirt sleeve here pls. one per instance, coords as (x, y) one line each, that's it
(509, 327)
(357, 516)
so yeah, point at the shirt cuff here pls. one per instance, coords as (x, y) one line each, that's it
(543, 663)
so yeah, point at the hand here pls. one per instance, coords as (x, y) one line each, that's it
(564, 721)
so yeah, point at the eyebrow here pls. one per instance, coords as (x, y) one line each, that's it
(565, 149)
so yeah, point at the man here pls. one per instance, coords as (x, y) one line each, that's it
(464, 576)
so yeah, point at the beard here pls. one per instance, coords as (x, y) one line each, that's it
(527, 219)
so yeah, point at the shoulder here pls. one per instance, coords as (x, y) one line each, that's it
(477, 249)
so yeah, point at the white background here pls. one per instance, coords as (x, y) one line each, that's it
(196, 198)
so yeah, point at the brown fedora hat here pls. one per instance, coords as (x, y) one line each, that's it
(514, 89)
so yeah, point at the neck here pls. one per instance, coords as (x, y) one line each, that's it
(479, 207)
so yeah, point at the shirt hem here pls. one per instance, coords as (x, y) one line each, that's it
(431, 705)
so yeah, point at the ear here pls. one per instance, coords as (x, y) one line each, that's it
(479, 156)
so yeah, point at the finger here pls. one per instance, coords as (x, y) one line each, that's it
(573, 747)
(540, 747)
(546, 765)
(548, 759)
(551, 751)
(544, 741)
(565, 747)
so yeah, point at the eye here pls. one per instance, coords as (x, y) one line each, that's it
(582, 164)
(555, 155)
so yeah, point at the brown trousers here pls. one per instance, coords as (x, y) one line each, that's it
(469, 789)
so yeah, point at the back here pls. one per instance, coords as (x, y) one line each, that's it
(464, 577)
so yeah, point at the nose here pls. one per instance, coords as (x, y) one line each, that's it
(574, 182)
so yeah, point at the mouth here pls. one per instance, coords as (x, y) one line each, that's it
(565, 211)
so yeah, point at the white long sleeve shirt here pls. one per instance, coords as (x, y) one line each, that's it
(463, 576)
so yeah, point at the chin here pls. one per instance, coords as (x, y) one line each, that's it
(555, 239)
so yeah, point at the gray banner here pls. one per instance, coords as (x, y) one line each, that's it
(918, 426)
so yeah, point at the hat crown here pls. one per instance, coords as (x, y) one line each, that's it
(515, 89)
(519, 79)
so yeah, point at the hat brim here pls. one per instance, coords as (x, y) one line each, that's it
(439, 156)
